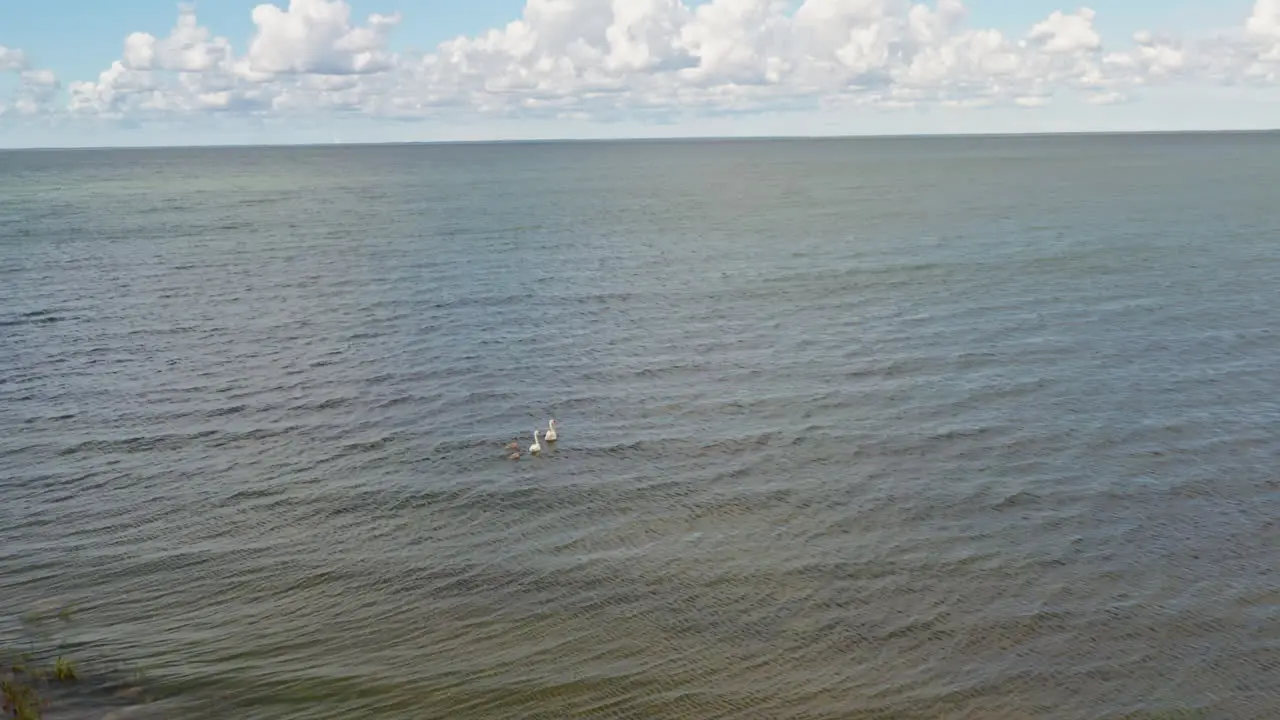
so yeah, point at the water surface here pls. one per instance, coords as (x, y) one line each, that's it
(897, 428)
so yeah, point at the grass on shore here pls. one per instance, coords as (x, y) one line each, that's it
(20, 696)
(23, 682)
(63, 670)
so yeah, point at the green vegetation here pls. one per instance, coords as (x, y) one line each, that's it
(20, 700)
(21, 683)
(63, 670)
(24, 681)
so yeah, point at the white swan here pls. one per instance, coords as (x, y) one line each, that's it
(536, 447)
(551, 431)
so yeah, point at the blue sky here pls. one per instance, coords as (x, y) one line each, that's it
(682, 68)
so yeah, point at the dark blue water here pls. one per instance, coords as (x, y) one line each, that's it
(945, 428)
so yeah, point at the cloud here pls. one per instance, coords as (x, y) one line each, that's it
(1067, 33)
(656, 60)
(1151, 58)
(295, 61)
(1263, 26)
(188, 48)
(316, 36)
(37, 88)
(1265, 20)
(12, 59)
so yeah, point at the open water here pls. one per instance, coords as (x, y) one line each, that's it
(891, 428)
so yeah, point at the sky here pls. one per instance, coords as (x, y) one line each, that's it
(157, 72)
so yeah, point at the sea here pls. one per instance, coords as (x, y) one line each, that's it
(848, 429)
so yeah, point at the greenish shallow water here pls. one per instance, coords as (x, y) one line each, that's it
(942, 428)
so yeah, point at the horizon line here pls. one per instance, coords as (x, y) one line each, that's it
(657, 139)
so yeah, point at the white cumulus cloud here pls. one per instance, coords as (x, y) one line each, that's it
(188, 48)
(637, 59)
(1067, 33)
(1265, 20)
(316, 36)
(37, 88)
(1263, 26)
(12, 59)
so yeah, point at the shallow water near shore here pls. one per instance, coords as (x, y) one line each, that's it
(893, 428)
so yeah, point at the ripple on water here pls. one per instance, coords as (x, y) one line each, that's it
(825, 452)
